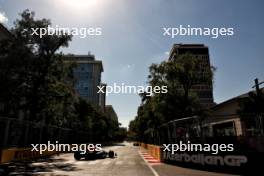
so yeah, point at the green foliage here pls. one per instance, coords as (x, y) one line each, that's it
(121, 134)
(37, 82)
(251, 105)
(251, 111)
(179, 75)
(35, 73)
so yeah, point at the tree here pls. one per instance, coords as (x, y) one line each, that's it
(179, 75)
(38, 80)
(33, 74)
(121, 134)
(251, 110)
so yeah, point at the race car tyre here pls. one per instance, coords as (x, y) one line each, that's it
(77, 156)
(111, 154)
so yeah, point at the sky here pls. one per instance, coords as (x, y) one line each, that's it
(132, 39)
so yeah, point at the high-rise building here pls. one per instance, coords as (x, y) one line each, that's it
(204, 91)
(88, 77)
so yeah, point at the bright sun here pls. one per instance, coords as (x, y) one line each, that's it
(80, 4)
(83, 8)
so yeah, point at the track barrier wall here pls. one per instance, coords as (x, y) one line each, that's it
(153, 150)
(222, 162)
(21, 154)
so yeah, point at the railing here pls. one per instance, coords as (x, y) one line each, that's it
(21, 133)
(191, 129)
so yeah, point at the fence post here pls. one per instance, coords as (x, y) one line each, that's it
(26, 135)
(40, 134)
(6, 133)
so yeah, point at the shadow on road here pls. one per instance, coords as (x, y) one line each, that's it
(118, 144)
(38, 167)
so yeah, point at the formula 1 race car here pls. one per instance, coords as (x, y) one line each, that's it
(94, 155)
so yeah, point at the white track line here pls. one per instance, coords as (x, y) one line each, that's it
(151, 168)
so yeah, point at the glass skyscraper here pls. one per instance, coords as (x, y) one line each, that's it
(88, 77)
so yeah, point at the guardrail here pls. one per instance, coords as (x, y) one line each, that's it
(16, 137)
(21, 134)
(21, 154)
(237, 162)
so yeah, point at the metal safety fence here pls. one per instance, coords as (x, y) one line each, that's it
(197, 130)
(21, 133)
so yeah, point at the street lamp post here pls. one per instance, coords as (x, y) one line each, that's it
(259, 115)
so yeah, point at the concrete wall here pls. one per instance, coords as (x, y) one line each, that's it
(153, 150)
(21, 154)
